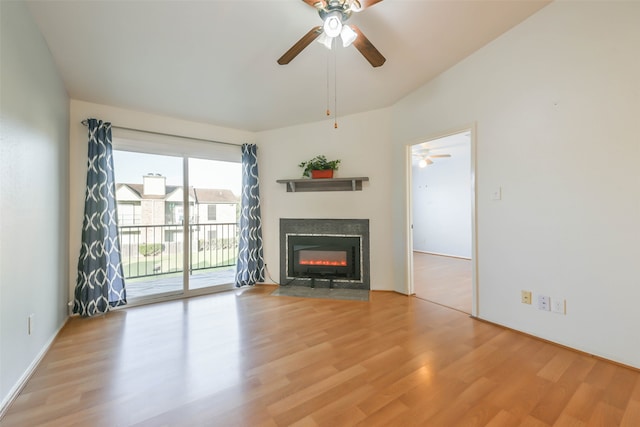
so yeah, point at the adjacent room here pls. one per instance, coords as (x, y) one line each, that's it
(442, 220)
(472, 260)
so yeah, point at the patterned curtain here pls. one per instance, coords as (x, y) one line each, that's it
(250, 267)
(100, 282)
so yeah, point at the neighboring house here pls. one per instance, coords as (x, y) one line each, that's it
(153, 203)
(215, 206)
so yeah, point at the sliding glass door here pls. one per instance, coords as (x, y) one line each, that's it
(178, 220)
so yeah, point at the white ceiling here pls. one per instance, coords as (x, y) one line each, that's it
(215, 61)
(454, 145)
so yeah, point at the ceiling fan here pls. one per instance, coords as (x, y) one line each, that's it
(426, 158)
(334, 14)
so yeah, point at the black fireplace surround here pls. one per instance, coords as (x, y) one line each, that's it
(327, 253)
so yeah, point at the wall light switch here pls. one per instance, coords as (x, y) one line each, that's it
(496, 194)
(559, 305)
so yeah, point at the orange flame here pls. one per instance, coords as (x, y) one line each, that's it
(323, 262)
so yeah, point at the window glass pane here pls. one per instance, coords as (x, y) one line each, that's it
(211, 212)
(214, 231)
(148, 192)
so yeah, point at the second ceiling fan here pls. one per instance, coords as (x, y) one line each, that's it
(425, 156)
(334, 14)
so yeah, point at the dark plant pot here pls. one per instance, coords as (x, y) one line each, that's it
(327, 173)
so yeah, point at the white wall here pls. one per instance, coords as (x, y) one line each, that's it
(441, 198)
(33, 196)
(362, 143)
(556, 101)
(121, 117)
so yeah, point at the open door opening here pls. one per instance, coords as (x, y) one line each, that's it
(442, 221)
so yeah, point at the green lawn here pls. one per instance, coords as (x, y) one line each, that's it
(163, 263)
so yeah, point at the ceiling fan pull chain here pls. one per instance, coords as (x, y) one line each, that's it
(335, 89)
(328, 90)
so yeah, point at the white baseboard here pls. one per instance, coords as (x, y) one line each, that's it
(19, 385)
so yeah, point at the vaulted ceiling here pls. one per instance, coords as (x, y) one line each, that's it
(215, 61)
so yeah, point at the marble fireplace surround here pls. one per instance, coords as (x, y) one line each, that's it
(325, 227)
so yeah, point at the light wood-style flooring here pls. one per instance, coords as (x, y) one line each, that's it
(443, 280)
(247, 358)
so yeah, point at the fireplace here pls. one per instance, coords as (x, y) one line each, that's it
(324, 253)
(330, 257)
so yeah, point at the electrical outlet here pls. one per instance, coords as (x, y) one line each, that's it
(544, 303)
(525, 297)
(559, 305)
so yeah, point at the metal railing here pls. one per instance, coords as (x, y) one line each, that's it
(151, 250)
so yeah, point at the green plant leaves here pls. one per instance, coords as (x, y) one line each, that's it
(319, 162)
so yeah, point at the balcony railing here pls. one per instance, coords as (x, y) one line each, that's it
(151, 250)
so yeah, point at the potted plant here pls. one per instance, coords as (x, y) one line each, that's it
(319, 167)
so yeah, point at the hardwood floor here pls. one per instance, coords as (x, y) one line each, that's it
(443, 280)
(246, 358)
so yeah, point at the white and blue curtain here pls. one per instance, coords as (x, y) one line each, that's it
(250, 268)
(100, 281)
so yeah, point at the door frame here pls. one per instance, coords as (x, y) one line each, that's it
(409, 210)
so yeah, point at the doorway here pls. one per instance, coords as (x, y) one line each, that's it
(442, 224)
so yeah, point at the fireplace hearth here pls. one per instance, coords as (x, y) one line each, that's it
(327, 253)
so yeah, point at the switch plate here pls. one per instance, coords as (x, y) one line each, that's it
(559, 305)
(544, 303)
(30, 324)
(525, 297)
(496, 194)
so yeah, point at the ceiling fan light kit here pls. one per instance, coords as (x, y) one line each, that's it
(334, 14)
(325, 40)
(348, 36)
(332, 23)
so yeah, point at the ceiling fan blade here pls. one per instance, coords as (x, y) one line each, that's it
(439, 155)
(300, 45)
(318, 4)
(367, 50)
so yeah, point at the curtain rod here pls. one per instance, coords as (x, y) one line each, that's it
(86, 123)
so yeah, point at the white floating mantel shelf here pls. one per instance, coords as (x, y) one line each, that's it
(324, 184)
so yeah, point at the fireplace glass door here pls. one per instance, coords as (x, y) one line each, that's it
(322, 256)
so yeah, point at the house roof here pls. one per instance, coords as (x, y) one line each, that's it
(211, 195)
(169, 189)
(200, 195)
